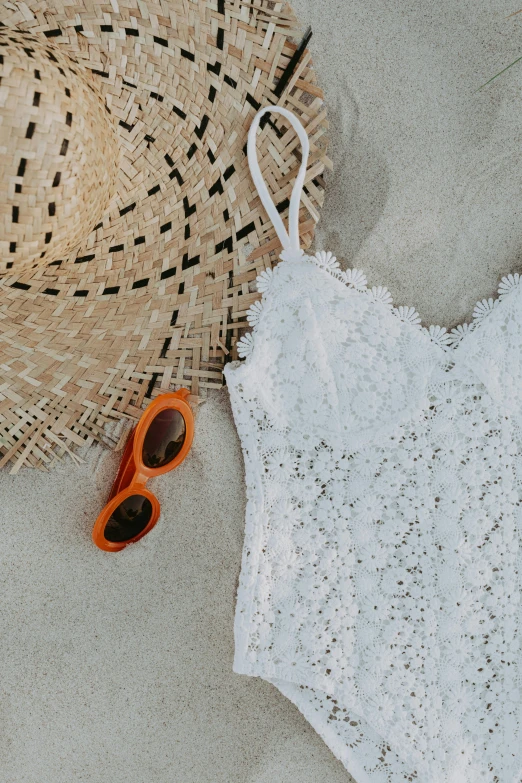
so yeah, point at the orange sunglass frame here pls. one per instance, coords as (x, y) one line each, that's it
(133, 474)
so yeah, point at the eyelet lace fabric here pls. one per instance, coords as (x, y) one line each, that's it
(381, 578)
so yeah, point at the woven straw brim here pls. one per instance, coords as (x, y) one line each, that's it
(155, 296)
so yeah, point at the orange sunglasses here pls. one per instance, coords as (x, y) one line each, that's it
(160, 442)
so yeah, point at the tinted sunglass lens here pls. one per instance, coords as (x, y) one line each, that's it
(164, 438)
(129, 519)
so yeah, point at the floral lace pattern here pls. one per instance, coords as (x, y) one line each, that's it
(356, 279)
(381, 577)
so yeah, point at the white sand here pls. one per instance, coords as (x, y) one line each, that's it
(118, 668)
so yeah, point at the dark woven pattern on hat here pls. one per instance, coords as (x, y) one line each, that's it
(155, 297)
(59, 152)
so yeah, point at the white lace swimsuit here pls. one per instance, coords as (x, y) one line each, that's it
(380, 586)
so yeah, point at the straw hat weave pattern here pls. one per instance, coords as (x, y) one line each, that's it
(130, 230)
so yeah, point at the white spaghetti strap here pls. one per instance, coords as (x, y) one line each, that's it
(290, 240)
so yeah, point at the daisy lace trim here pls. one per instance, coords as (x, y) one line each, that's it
(356, 279)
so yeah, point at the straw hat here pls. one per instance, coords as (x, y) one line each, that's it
(130, 230)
